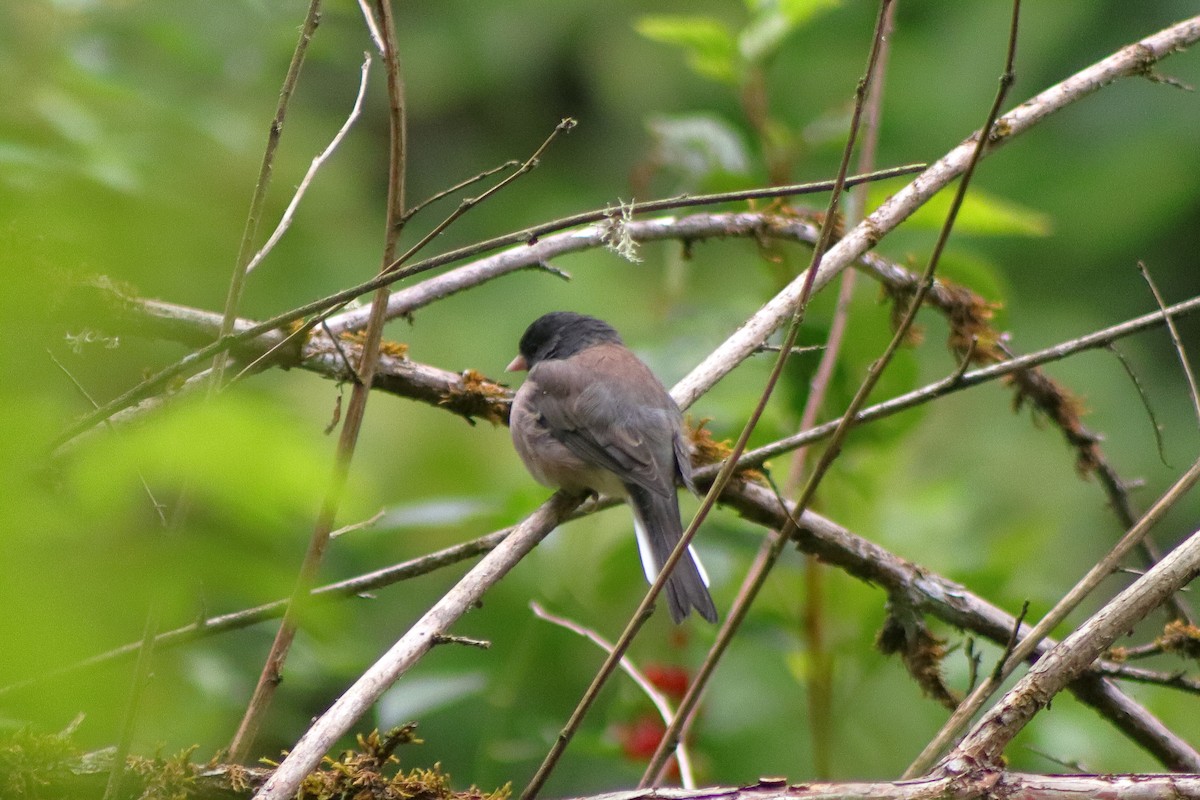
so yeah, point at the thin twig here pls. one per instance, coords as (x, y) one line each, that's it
(1145, 398)
(141, 674)
(565, 125)
(1172, 680)
(974, 660)
(359, 526)
(466, 641)
(1175, 339)
(372, 25)
(158, 507)
(334, 340)
(458, 187)
(1013, 637)
(656, 697)
(318, 161)
(234, 297)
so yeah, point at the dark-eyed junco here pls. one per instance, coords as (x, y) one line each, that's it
(591, 417)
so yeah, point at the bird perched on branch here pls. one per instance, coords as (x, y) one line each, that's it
(591, 417)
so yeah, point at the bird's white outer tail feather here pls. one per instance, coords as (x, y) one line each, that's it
(650, 566)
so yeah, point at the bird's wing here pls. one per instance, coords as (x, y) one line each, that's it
(606, 407)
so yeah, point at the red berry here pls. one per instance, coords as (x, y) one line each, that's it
(669, 679)
(640, 738)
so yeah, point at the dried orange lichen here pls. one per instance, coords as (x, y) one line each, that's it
(707, 450)
(477, 396)
(1181, 638)
(387, 348)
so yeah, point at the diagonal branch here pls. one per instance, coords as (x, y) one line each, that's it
(318, 161)
(1133, 59)
(356, 700)
(1072, 657)
(1062, 608)
(191, 363)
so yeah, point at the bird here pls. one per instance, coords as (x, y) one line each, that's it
(591, 417)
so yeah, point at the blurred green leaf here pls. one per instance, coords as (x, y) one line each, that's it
(709, 45)
(981, 213)
(773, 22)
(238, 453)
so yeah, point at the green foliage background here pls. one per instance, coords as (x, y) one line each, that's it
(130, 136)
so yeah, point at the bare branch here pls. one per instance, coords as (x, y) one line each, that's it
(1072, 657)
(1068, 603)
(356, 700)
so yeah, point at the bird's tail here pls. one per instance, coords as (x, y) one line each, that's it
(656, 523)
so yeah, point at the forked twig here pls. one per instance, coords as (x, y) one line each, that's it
(458, 187)
(564, 126)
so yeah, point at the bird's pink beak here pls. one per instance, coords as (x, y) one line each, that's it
(517, 365)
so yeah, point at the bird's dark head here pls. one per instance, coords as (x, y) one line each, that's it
(561, 334)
